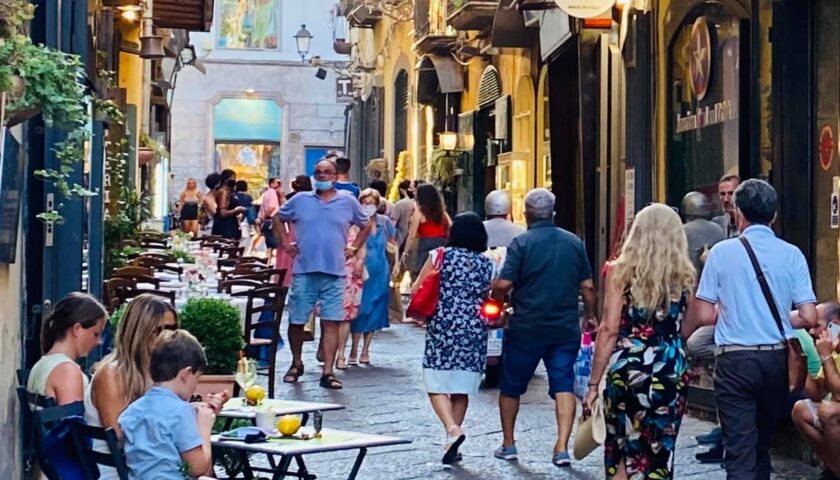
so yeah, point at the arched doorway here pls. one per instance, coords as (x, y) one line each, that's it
(516, 171)
(543, 173)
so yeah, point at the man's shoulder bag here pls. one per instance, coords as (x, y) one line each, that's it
(796, 359)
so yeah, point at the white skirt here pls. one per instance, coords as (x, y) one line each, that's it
(451, 381)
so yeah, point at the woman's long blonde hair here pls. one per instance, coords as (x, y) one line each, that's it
(654, 261)
(136, 333)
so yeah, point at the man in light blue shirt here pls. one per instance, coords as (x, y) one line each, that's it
(751, 384)
(321, 219)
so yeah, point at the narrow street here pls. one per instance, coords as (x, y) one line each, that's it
(387, 398)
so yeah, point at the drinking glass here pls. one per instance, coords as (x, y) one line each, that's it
(246, 374)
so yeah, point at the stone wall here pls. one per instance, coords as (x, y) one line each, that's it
(311, 114)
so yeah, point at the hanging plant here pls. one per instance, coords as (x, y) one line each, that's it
(443, 166)
(14, 17)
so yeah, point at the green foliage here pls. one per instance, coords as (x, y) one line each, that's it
(216, 325)
(116, 317)
(183, 256)
(14, 17)
(149, 142)
(443, 165)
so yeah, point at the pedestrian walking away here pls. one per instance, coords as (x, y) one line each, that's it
(456, 337)
(429, 227)
(321, 219)
(546, 268)
(751, 375)
(640, 349)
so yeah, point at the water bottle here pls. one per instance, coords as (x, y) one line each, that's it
(583, 366)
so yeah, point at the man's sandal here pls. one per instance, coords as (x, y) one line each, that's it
(330, 382)
(293, 374)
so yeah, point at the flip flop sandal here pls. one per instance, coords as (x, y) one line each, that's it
(330, 382)
(353, 361)
(364, 359)
(293, 374)
(340, 364)
(452, 450)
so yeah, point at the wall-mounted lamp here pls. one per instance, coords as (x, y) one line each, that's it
(304, 40)
(250, 91)
(448, 141)
(129, 13)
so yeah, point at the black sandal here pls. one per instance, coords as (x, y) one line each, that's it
(330, 382)
(293, 374)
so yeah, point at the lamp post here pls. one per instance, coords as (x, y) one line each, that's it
(303, 39)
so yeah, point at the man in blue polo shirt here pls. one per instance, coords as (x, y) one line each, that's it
(546, 268)
(321, 219)
(751, 373)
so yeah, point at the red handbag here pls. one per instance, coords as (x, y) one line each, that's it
(424, 301)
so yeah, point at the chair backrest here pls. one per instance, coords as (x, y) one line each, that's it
(144, 261)
(231, 252)
(165, 257)
(251, 259)
(137, 278)
(130, 243)
(119, 290)
(225, 286)
(274, 300)
(159, 293)
(46, 418)
(132, 271)
(83, 435)
(22, 376)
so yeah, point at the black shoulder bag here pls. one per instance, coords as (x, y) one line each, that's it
(796, 359)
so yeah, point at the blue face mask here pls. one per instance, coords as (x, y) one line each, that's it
(322, 185)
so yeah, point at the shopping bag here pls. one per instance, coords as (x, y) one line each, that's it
(309, 328)
(424, 301)
(583, 366)
(592, 431)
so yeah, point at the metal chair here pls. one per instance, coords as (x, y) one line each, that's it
(90, 458)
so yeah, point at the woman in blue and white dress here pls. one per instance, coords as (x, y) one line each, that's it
(456, 337)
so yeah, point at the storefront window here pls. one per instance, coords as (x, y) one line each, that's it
(705, 141)
(250, 161)
(248, 24)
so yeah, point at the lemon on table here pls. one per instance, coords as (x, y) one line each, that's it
(255, 394)
(288, 425)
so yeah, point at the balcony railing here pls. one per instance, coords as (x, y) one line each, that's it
(361, 13)
(431, 32)
(471, 14)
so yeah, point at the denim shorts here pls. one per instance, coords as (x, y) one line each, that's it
(310, 289)
(521, 357)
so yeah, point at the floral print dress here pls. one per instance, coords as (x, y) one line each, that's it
(645, 394)
(456, 337)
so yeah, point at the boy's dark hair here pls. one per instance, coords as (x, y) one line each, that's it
(342, 165)
(173, 351)
(241, 186)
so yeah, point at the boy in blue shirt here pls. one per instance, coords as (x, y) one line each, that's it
(165, 435)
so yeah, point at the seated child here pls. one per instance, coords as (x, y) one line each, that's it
(165, 435)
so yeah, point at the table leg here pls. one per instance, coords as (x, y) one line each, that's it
(247, 473)
(282, 468)
(304, 419)
(358, 464)
(303, 473)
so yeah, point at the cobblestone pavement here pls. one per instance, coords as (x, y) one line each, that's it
(387, 398)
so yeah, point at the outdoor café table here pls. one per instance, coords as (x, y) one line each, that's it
(281, 451)
(235, 408)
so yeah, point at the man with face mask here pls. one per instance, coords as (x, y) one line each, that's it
(321, 219)
(545, 269)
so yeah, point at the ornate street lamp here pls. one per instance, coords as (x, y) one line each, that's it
(303, 39)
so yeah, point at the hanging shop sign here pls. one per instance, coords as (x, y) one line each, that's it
(835, 204)
(709, 115)
(344, 88)
(585, 8)
(826, 147)
(700, 65)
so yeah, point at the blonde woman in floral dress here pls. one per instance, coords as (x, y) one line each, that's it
(641, 349)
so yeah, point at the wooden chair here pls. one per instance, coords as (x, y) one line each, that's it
(251, 259)
(119, 291)
(151, 243)
(152, 235)
(133, 271)
(46, 418)
(225, 286)
(232, 252)
(137, 278)
(165, 257)
(157, 265)
(158, 293)
(274, 300)
(130, 243)
(89, 458)
(26, 401)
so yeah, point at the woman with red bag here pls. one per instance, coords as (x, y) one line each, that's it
(456, 337)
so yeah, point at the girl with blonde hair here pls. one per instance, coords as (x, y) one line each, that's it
(189, 201)
(647, 289)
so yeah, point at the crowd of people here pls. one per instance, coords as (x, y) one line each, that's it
(723, 292)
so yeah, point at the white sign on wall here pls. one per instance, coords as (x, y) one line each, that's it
(585, 8)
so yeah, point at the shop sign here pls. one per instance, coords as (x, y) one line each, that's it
(826, 147)
(585, 8)
(700, 63)
(344, 88)
(709, 115)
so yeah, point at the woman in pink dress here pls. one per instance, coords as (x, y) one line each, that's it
(284, 261)
(352, 297)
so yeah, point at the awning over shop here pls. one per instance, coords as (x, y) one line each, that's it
(190, 15)
(509, 30)
(438, 74)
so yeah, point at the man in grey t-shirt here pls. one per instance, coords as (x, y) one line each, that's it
(701, 233)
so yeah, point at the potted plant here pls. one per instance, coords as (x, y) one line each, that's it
(216, 325)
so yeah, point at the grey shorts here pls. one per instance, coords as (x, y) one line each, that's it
(310, 289)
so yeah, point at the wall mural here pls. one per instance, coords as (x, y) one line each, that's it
(248, 24)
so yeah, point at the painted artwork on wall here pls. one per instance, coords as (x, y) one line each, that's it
(242, 119)
(252, 162)
(248, 24)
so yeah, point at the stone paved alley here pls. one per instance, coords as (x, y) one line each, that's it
(387, 398)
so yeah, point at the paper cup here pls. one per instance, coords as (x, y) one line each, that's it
(265, 420)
